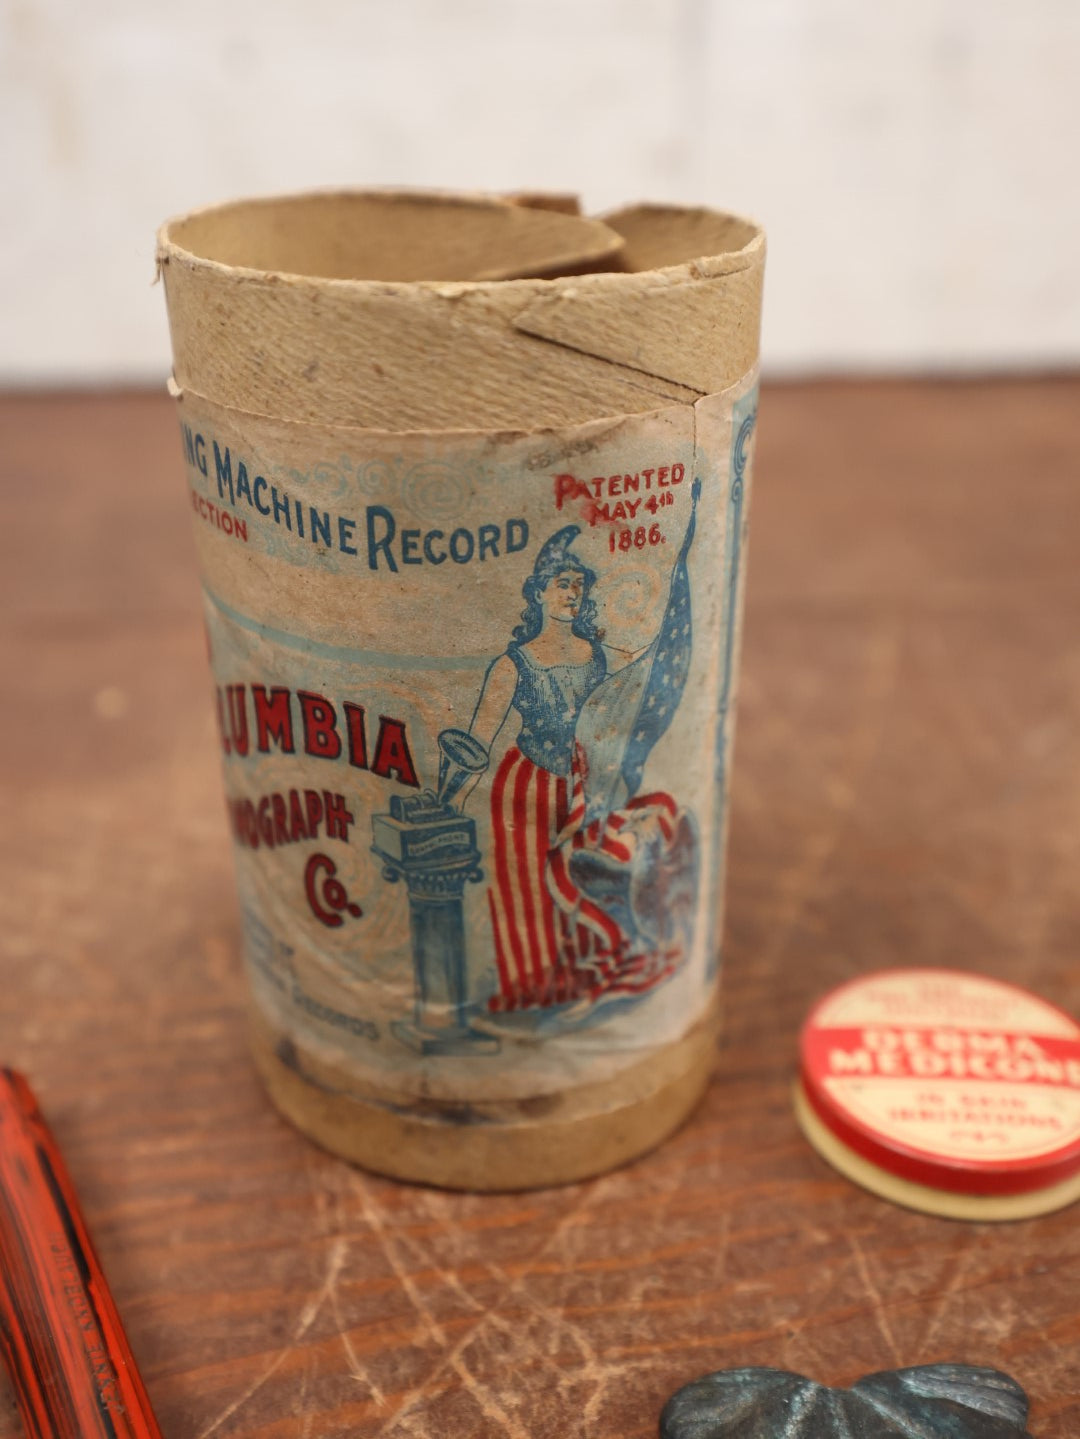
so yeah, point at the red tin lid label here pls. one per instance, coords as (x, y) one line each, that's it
(949, 1079)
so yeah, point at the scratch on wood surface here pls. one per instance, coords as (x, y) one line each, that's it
(490, 1315)
(596, 1374)
(320, 1193)
(794, 1349)
(563, 1327)
(952, 1287)
(721, 1248)
(301, 1409)
(877, 1304)
(429, 1323)
(327, 1290)
(356, 1366)
(487, 1403)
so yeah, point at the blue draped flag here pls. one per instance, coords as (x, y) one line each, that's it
(629, 711)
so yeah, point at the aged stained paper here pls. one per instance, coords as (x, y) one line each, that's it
(474, 693)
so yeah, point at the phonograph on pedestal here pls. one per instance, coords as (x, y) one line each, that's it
(429, 843)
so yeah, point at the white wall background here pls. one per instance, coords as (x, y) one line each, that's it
(915, 161)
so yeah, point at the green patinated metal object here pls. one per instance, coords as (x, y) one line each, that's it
(933, 1401)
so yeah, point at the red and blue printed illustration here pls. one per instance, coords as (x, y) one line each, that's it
(592, 883)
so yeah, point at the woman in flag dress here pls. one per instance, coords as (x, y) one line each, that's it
(559, 940)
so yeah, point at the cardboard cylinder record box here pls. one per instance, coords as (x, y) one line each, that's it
(469, 482)
(949, 1092)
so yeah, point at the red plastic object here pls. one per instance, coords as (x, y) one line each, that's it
(69, 1358)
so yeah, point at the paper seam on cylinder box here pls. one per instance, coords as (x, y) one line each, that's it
(475, 698)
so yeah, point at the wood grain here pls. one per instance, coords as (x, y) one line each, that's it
(907, 790)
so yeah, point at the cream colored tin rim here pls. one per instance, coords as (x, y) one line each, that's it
(910, 1195)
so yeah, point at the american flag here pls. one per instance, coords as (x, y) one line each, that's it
(628, 712)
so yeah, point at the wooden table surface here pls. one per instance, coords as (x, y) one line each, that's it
(907, 791)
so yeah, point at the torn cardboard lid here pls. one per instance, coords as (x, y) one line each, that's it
(458, 312)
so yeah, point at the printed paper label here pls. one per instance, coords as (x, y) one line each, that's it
(475, 696)
(949, 1066)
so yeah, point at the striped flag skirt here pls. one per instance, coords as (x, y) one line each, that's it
(553, 943)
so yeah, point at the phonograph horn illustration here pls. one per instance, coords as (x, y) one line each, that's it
(461, 756)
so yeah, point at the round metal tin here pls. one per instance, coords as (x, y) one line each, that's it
(947, 1091)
